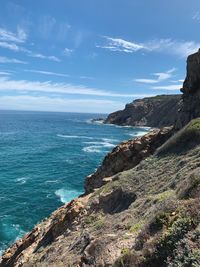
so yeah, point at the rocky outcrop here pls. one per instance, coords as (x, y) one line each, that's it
(126, 156)
(189, 107)
(165, 110)
(158, 111)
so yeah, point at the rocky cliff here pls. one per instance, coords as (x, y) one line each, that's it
(158, 111)
(189, 107)
(126, 156)
(165, 110)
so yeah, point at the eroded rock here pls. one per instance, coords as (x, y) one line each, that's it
(126, 156)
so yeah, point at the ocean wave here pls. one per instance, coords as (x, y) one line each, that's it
(109, 140)
(66, 195)
(22, 180)
(118, 126)
(100, 144)
(74, 136)
(97, 147)
(70, 161)
(145, 128)
(93, 121)
(51, 182)
(11, 232)
(92, 149)
(137, 134)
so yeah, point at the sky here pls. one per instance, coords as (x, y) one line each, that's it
(93, 55)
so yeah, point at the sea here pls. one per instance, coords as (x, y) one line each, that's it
(44, 159)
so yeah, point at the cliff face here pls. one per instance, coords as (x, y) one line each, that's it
(189, 107)
(147, 216)
(158, 111)
(126, 156)
(165, 110)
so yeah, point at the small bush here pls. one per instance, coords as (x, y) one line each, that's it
(89, 220)
(136, 227)
(166, 245)
(128, 259)
(160, 220)
(99, 224)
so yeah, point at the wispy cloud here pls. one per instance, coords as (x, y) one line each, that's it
(169, 46)
(19, 37)
(196, 16)
(38, 55)
(168, 87)
(67, 51)
(48, 73)
(5, 73)
(10, 46)
(120, 45)
(160, 77)
(11, 60)
(86, 77)
(58, 88)
(10, 40)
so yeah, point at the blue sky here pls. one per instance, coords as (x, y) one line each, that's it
(91, 55)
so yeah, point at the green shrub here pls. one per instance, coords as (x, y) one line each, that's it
(99, 224)
(89, 219)
(136, 227)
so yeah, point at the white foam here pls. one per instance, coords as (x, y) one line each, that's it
(66, 195)
(92, 149)
(22, 180)
(70, 161)
(146, 128)
(110, 140)
(137, 134)
(97, 147)
(74, 136)
(99, 144)
(51, 182)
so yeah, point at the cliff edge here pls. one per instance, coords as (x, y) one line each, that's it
(189, 106)
(158, 111)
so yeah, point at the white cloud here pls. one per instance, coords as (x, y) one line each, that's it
(19, 37)
(48, 73)
(117, 44)
(177, 81)
(168, 46)
(5, 73)
(11, 60)
(38, 55)
(67, 51)
(86, 77)
(10, 46)
(196, 16)
(44, 103)
(161, 76)
(60, 88)
(168, 87)
(8, 40)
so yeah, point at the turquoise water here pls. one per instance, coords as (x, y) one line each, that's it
(44, 160)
